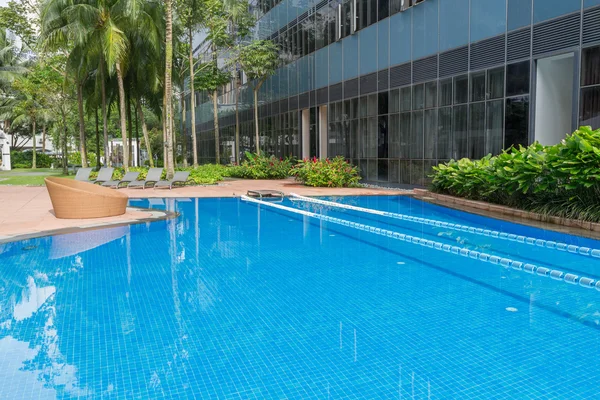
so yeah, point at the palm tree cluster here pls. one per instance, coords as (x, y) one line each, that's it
(114, 66)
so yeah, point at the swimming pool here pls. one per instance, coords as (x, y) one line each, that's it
(241, 300)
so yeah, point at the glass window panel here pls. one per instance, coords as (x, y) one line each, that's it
(362, 138)
(382, 170)
(394, 136)
(346, 110)
(372, 133)
(405, 134)
(430, 134)
(517, 78)
(372, 170)
(417, 172)
(460, 132)
(354, 138)
(354, 108)
(517, 122)
(346, 18)
(430, 94)
(338, 111)
(590, 107)
(494, 127)
(405, 99)
(476, 130)
(404, 172)
(372, 107)
(416, 140)
(382, 103)
(384, 9)
(478, 86)
(363, 107)
(495, 83)
(393, 171)
(444, 142)
(394, 102)
(590, 62)
(445, 92)
(418, 97)
(382, 138)
(461, 89)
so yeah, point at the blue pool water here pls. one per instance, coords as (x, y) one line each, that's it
(236, 300)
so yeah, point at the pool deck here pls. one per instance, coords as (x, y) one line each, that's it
(27, 210)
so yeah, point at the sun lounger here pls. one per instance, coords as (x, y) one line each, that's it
(83, 174)
(105, 174)
(152, 177)
(180, 177)
(129, 177)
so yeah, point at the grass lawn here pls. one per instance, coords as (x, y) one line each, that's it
(29, 177)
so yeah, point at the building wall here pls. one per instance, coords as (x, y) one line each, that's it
(443, 79)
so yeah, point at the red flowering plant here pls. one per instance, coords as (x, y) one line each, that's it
(336, 172)
(262, 167)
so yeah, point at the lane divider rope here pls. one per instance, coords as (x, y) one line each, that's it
(532, 241)
(507, 263)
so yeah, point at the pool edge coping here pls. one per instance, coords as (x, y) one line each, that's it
(155, 216)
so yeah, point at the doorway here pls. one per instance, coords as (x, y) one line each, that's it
(555, 80)
(314, 132)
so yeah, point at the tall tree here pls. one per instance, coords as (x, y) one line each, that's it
(168, 87)
(258, 60)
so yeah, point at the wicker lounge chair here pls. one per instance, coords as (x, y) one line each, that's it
(180, 177)
(152, 177)
(83, 174)
(104, 175)
(74, 199)
(128, 178)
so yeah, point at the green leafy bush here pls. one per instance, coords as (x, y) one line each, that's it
(262, 167)
(24, 159)
(207, 174)
(75, 158)
(561, 180)
(326, 173)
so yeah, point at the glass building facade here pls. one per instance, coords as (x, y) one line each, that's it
(398, 86)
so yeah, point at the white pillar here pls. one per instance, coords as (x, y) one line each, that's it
(5, 145)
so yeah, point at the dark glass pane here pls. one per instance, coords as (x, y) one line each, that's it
(394, 136)
(382, 138)
(363, 107)
(394, 101)
(372, 105)
(372, 11)
(493, 133)
(346, 18)
(476, 130)
(446, 92)
(320, 31)
(310, 32)
(517, 78)
(405, 99)
(461, 89)
(430, 134)
(590, 107)
(354, 108)
(372, 170)
(347, 110)
(404, 172)
(405, 134)
(382, 170)
(394, 171)
(382, 103)
(417, 173)
(430, 94)
(395, 6)
(459, 132)
(416, 139)
(590, 66)
(444, 145)
(354, 138)
(384, 9)
(495, 83)
(517, 122)
(418, 97)
(478, 86)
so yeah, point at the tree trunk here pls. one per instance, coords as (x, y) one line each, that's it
(33, 160)
(44, 139)
(104, 116)
(174, 136)
(183, 131)
(164, 130)
(137, 138)
(237, 118)
(123, 116)
(82, 148)
(168, 84)
(129, 130)
(193, 102)
(257, 136)
(97, 141)
(64, 144)
(216, 122)
(146, 136)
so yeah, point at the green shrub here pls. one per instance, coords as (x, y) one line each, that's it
(24, 159)
(75, 158)
(207, 174)
(262, 167)
(561, 180)
(326, 173)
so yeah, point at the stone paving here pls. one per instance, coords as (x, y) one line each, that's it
(28, 210)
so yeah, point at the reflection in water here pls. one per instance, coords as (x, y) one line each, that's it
(68, 245)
